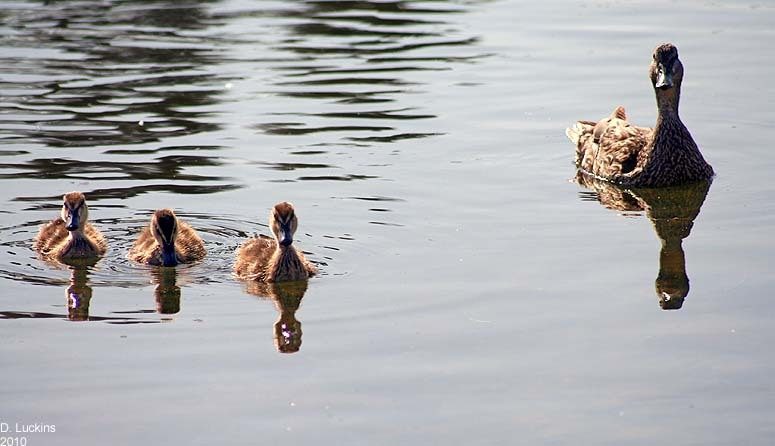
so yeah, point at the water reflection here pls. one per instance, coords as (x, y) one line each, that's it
(287, 298)
(167, 291)
(78, 294)
(672, 211)
(360, 53)
(97, 73)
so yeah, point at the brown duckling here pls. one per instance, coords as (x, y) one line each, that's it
(617, 151)
(70, 236)
(167, 241)
(274, 260)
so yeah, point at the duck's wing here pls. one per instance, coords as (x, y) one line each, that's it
(582, 136)
(50, 235)
(145, 249)
(611, 147)
(188, 244)
(96, 238)
(309, 267)
(253, 257)
(620, 146)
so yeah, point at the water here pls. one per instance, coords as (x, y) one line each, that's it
(470, 292)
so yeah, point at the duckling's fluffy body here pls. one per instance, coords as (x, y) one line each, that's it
(167, 241)
(274, 260)
(70, 236)
(617, 151)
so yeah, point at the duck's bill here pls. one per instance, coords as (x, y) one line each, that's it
(71, 224)
(286, 238)
(664, 78)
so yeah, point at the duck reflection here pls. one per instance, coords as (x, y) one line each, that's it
(287, 298)
(167, 291)
(78, 294)
(672, 211)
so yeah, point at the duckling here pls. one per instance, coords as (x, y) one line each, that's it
(616, 151)
(167, 241)
(274, 260)
(70, 237)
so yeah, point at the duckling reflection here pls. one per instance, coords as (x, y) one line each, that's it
(672, 211)
(287, 299)
(167, 291)
(78, 294)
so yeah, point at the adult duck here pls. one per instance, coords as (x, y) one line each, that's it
(167, 241)
(616, 151)
(70, 236)
(274, 260)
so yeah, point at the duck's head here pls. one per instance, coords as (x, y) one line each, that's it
(74, 211)
(164, 227)
(666, 70)
(283, 222)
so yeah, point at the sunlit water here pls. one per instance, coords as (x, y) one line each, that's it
(470, 291)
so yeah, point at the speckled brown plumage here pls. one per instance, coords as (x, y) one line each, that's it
(183, 242)
(617, 151)
(81, 242)
(274, 260)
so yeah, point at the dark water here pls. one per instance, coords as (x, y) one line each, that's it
(471, 292)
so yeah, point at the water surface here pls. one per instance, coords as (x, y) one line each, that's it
(470, 290)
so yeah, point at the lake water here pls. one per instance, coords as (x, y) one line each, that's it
(470, 291)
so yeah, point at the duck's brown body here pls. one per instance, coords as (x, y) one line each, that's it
(274, 260)
(615, 150)
(262, 258)
(167, 241)
(80, 241)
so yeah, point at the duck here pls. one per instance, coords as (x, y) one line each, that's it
(619, 152)
(167, 241)
(275, 259)
(70, 237)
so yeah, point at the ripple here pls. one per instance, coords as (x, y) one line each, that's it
(293, 128)
(393, 138)
(337, 178)
(376, 114)
(132, 191)
(53, 73)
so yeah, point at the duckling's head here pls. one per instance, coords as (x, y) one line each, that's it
(666, 70)
(283, 222)
(74, 211)
(164, 227)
